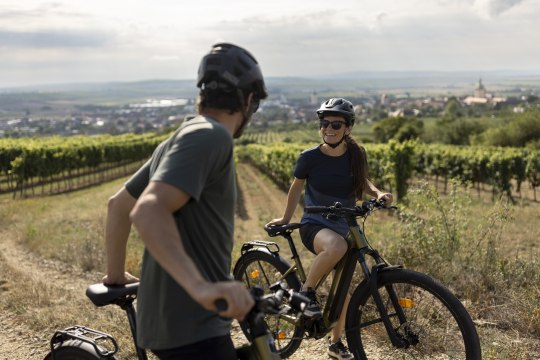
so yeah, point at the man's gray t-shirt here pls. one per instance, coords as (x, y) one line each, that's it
(198, 160)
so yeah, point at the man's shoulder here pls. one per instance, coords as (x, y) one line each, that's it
(204, 126)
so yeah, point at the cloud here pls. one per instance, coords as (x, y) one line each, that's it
(494, 8)
(53, 39)
(165, 57)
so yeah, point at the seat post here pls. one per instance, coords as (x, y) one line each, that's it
(131, 315)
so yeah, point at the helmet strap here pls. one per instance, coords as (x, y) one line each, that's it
(335, 145)
(246, 114)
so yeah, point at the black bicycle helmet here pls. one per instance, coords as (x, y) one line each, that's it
(230, 66)
(337, 106)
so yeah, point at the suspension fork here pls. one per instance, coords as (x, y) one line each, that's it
(373, 278)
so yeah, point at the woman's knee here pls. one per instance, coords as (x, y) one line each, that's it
(330, 242)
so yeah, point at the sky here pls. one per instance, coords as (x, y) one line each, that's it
(74, 41)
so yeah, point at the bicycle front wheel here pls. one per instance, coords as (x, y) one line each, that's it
(434, 324)
(260, 268)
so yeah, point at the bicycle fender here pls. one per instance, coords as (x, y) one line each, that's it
(270, 246)
(256, 246)
(283, 264)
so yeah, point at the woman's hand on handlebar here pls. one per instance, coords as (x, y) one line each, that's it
(388, 198)
(121, 279)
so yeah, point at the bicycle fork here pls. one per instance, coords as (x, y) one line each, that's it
(373, 278)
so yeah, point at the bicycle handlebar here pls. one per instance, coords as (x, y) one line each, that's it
(271, 303)
(340, 211)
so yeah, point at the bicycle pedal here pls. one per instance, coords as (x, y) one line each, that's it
(316, 328)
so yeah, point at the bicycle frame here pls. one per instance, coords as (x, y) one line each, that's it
(344, 271)
(358, 252)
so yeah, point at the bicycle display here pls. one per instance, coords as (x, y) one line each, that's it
(394, 313)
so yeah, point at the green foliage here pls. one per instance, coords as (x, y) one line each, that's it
(447, 238)
(453, 109)
(477, 164)
(398, 128)
(22, 160)
(401, 156)
(518, 130)
(455, 131)
(390, 166)
(428, 241)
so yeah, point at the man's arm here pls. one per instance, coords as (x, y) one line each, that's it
(153, 218)
(117, 229)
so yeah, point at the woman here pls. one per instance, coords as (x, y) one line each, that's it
(333, 171)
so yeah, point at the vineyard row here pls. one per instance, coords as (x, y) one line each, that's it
(393, 165)
(31, 162)
(27, 162)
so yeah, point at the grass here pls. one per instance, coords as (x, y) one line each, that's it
(487, 252)
(67, 227)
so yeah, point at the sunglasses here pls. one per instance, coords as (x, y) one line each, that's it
(336, 125)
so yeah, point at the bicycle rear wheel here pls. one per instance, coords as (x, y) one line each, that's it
(76, 350)
(260, 268)
(437, 325)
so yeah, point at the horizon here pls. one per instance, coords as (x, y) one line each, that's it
(491, 76)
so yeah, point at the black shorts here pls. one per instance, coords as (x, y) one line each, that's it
(202, 350)
(307, 234)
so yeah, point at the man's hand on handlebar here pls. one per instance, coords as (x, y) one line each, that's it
(239, 300)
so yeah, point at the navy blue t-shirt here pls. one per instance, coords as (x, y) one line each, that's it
(328, 179)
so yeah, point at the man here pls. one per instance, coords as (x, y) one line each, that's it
(182, 203)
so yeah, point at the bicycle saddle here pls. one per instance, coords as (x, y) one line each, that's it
(280, 229)
(102, 295)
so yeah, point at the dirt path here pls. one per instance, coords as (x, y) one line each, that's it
(22, 270)
(262, 201)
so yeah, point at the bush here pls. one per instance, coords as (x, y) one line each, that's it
(398, 128)
(448, 240)
(517, 131)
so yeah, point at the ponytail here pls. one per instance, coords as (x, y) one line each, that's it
(359, 166)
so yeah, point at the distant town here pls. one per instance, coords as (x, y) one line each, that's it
(162, 114)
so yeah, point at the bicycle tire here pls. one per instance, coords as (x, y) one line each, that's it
(76, 350)
(262, 268)
(438, 325)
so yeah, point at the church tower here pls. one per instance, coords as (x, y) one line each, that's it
(480, 91)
